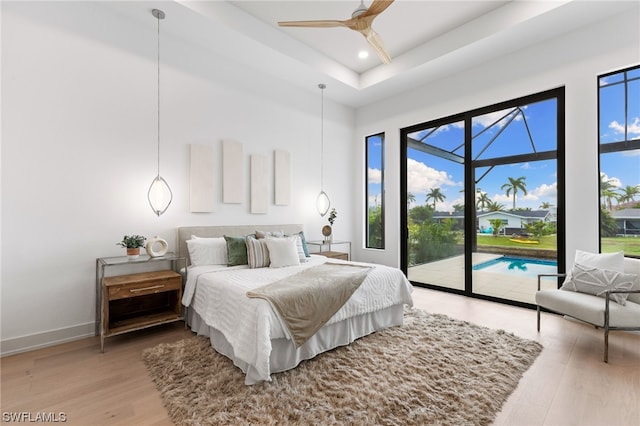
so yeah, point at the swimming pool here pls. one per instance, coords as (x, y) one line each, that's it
(518, 266)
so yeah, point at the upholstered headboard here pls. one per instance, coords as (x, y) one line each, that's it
(186, 232)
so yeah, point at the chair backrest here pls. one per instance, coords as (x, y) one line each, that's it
(632, 266)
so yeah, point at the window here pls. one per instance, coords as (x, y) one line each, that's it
(375, 191)
(474, 189)
(619, 145)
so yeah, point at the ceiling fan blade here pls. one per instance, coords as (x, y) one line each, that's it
(312, 24)
(376, 42)
(377, 7)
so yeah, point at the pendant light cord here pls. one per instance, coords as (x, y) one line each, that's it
(159, 16)
(322, 87)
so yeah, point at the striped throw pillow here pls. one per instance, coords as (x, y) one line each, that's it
(257, 252)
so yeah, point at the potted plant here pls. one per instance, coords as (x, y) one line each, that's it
(332, 216)
(132, 243)
(327, 229)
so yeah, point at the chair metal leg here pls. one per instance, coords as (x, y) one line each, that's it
(538, 309)
(606, 328)
(606, 344)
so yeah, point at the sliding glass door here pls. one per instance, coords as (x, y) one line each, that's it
(483, 207)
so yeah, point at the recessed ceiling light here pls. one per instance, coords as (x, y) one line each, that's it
(363, 54)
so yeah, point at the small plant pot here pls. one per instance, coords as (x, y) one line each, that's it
(133, 253)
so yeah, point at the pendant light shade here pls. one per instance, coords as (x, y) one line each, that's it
(322, 202)
(159, 194)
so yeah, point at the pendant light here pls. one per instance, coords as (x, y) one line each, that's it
(159, 194)
(322, 202)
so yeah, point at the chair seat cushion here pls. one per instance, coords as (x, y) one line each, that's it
(589, 308)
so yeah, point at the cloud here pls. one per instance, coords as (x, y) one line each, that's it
(613, 181)
(633, 128)
(487, 120)
(526, 166)
(422, 178)
(374, 175)
(544, 191)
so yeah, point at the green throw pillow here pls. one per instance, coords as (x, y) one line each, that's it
(236, 251)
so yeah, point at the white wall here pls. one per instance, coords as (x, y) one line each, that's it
(79, 140)
(573, 61)
(79, 152)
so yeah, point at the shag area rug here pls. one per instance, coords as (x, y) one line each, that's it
(432, 370)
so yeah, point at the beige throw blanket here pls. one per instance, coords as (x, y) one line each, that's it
(307, 300)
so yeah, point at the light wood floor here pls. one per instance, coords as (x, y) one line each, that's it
(567, 385)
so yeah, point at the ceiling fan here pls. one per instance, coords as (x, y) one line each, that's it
(360, 21)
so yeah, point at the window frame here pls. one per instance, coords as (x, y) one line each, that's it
(618, 146)
(367, 242)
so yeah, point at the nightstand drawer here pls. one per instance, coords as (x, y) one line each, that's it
(335, 255)
(125, 286)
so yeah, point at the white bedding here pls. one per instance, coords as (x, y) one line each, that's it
(218, 295)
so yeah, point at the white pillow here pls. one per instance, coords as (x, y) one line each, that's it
(302, 257)
(585, 279)
(609, 261)
(207, 251)
(282, 252)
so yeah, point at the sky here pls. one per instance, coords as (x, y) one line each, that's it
(512, 132)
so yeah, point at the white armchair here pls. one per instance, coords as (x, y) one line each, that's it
(601, 290)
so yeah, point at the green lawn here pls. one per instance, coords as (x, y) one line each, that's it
(548, 242)
(630, 245)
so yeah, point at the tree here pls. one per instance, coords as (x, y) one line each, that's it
(537, 229)
(513, 186)
(374, 233)
(494, 206)
(607, 191)
(420, 214)
(410, 198)
(629, 193)
(546, 205)
(458, 207)
(608, 225)
(482, 201)
(497, 225)
(436, 196)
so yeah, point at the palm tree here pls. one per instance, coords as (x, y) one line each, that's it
(494, 206)
(482, 200)
(546, 205)
(436, 196)
(410, 198)
(629, 193)
(607, 191)
(513, 186)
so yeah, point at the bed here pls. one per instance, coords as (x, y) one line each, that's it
(250, 332)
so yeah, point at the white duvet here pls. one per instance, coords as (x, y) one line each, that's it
(218, 294)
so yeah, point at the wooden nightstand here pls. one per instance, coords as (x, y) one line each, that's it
(325, 248)
(136, 301)
(336, 255)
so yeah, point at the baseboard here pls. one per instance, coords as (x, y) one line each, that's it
(48, 338)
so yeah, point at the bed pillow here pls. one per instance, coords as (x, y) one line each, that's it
(589, 280)
(207, 251)
(236, 251)
(304, 243)
(282, 252)
(265, 234)
(257, 252)
(609, 261)
(302, 258)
